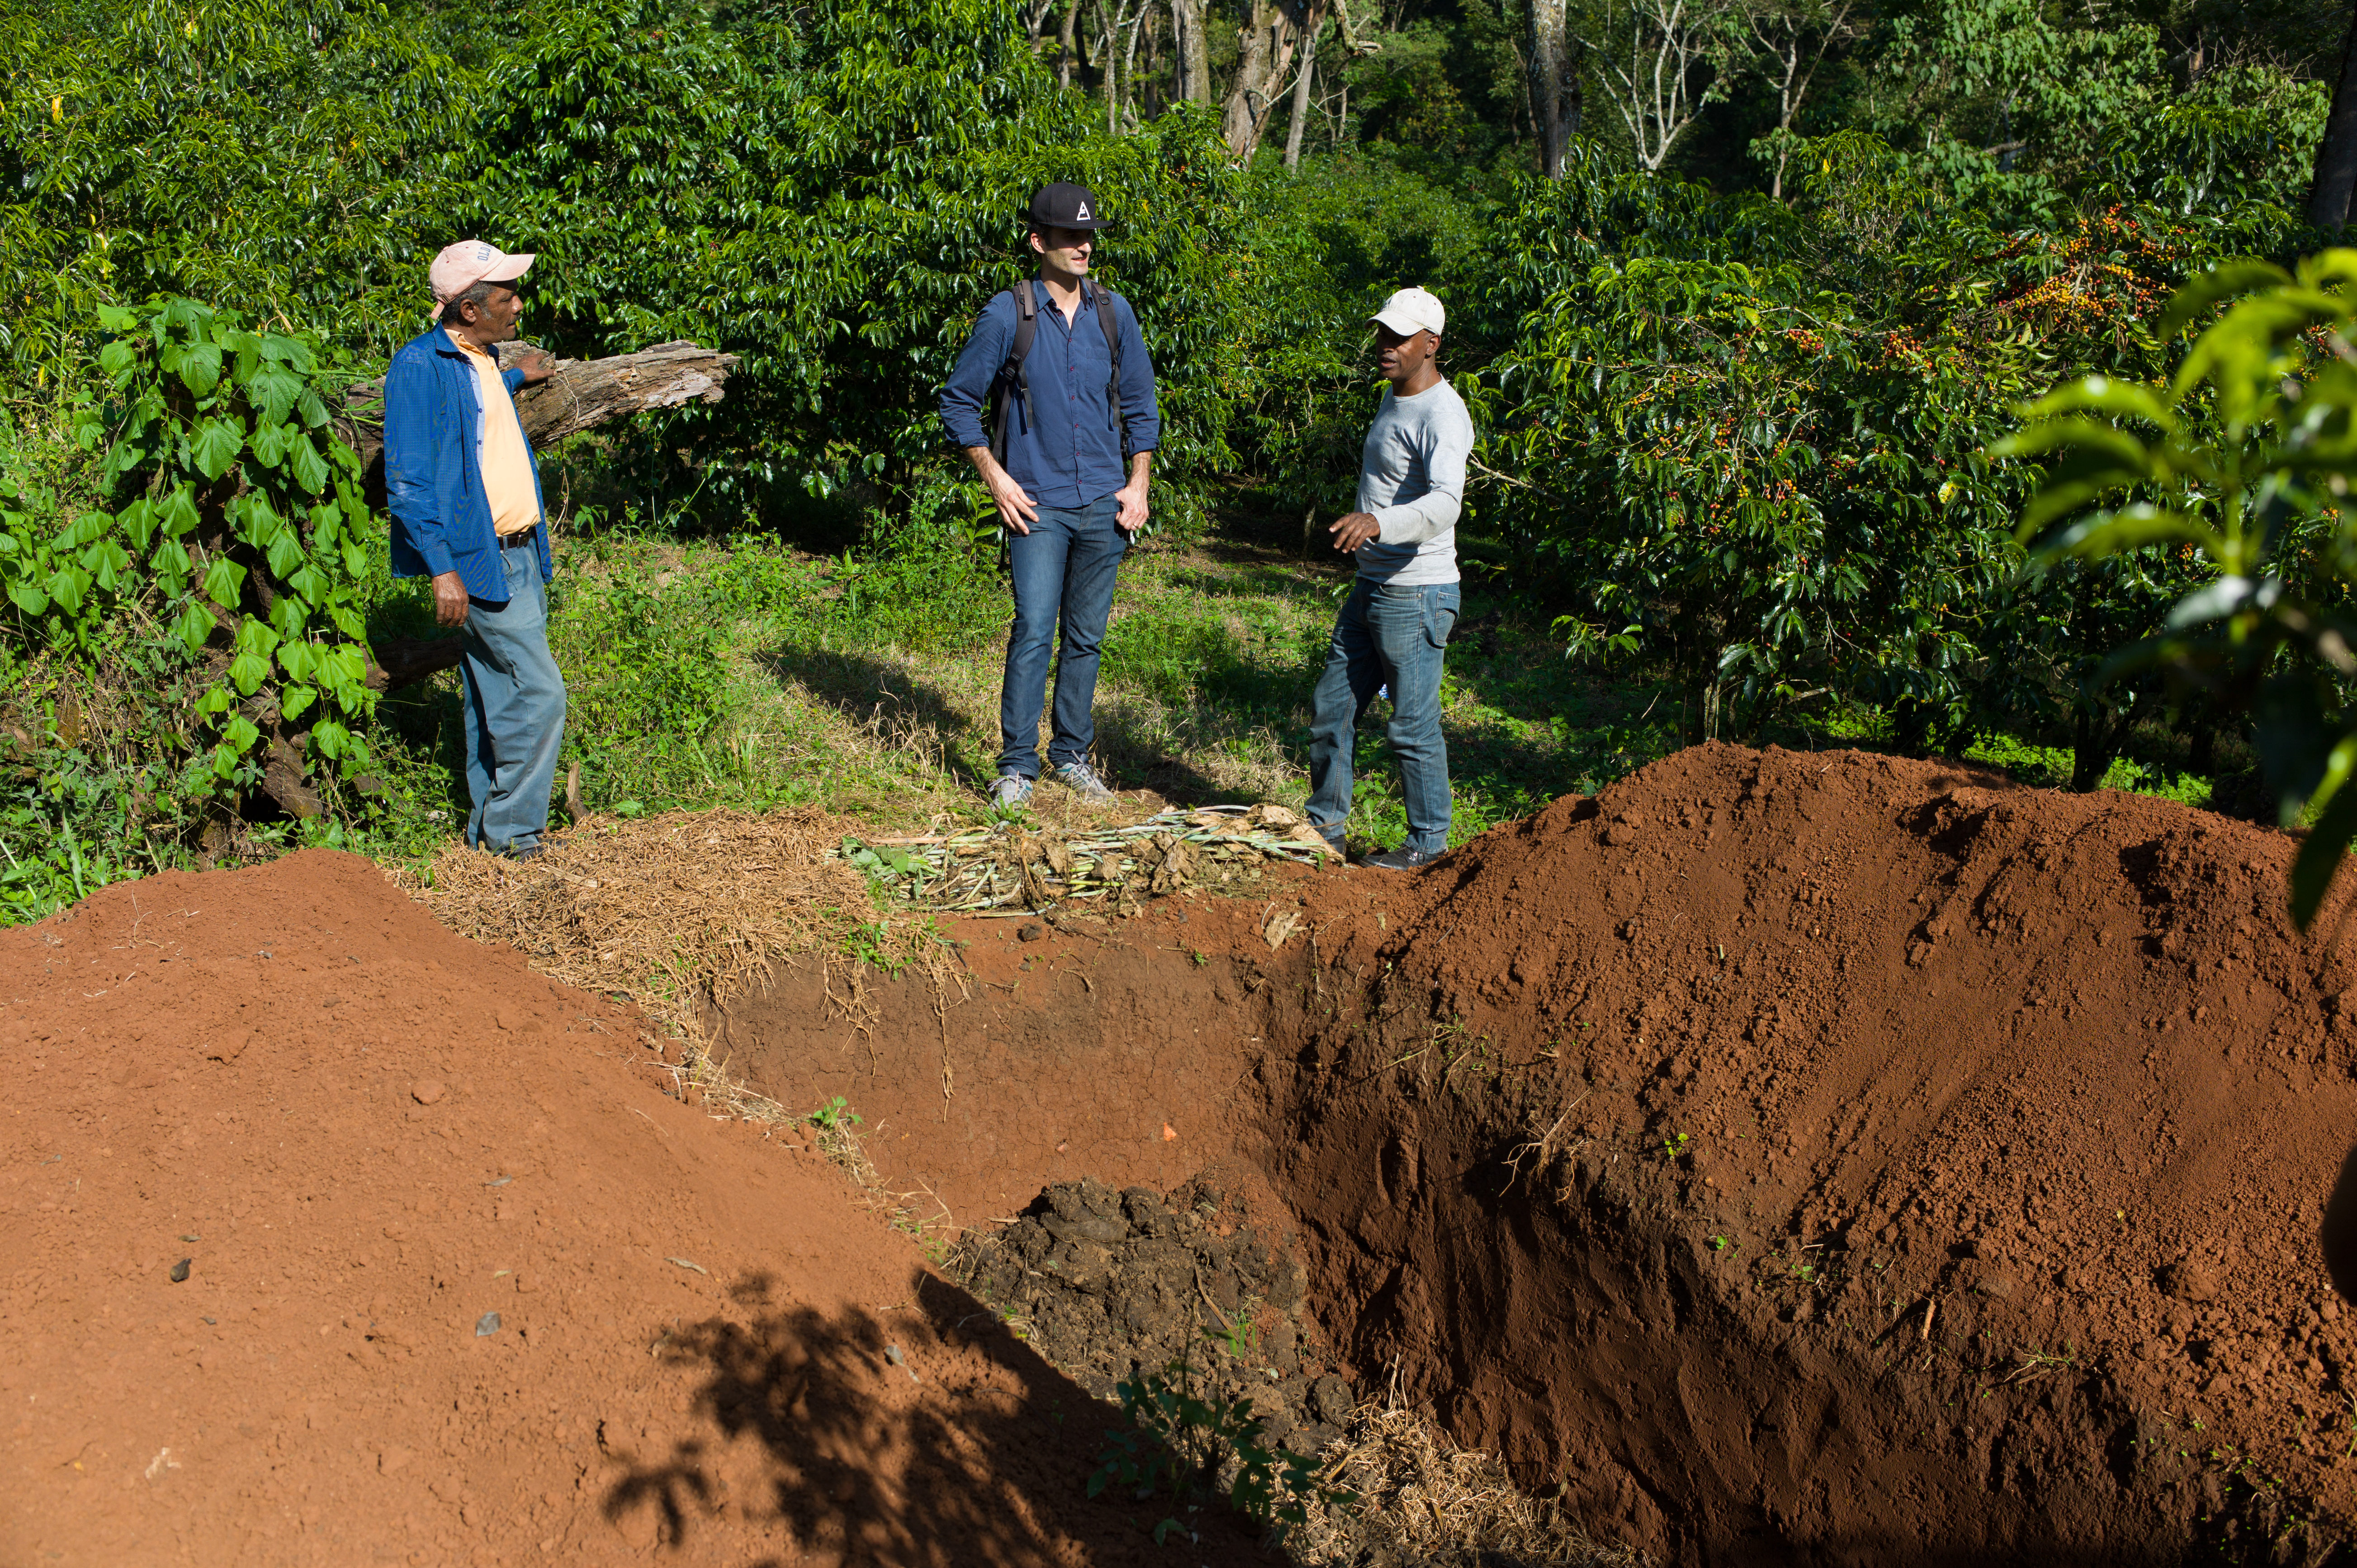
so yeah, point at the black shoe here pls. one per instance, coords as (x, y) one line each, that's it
(1402, 859)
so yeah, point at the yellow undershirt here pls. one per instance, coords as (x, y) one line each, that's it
(500, 455)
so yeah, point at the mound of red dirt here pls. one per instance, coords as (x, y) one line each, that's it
(328, 1237)
(1840, 1158)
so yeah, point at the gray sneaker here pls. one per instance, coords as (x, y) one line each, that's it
(1083, 781)
(1010, 792)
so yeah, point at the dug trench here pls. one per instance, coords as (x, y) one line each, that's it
(1778, 1157)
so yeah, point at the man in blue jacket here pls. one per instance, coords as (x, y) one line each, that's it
(465, 491)
(1077, 398)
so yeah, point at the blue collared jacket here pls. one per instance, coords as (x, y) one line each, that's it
(1073, 457)
(441, 521)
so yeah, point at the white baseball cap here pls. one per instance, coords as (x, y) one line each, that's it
(1413, 310)
(469, 262)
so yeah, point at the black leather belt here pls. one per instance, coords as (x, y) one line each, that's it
(518, 541)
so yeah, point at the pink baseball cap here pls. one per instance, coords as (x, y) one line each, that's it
(469, 262)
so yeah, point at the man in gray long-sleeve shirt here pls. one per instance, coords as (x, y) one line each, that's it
(1400, 612)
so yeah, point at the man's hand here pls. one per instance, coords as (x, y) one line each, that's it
(537, 365)
(1353, 530)
(1017, 510)
(1132, 497)
(449, 600)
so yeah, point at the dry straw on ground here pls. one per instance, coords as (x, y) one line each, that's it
(663, 911)
(1415, 1500)
(666, 912)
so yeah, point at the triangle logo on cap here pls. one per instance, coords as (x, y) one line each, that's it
(1083, 212)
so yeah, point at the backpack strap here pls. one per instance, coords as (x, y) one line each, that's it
(1012, 374)
(1112, 330)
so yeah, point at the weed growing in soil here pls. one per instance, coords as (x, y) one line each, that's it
(1179, 1442)
(835, 1113)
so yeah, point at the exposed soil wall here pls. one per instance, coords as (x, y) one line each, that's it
(1868, 1158)
(1812, 1159)
(1093, 1049)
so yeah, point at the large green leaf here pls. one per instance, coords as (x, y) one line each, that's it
(247, 672)
(177, 513)
(66, 585)
(194, 627)
(273, 391)
(224, 580)
(268, 443)
(137, 523)
(214, 445)
(310, 469)
(2319, 857)
(201, 368)
(299, 657)
(285, 553)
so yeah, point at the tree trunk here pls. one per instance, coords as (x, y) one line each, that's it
(1065, 44)
(2336, 156)
(1301, 87)
(1554, 93)
(1188, 52)
(581, 394)
(1264, 55)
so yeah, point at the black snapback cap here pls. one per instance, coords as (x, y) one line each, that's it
(1064, 205)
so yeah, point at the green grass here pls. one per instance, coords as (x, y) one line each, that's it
(745, 674)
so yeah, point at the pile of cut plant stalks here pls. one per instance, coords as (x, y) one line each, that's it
(1005, 870)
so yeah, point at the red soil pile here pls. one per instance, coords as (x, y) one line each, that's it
(1900, 1165)
(365, 1137)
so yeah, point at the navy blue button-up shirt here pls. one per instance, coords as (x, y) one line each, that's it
(1073, 457)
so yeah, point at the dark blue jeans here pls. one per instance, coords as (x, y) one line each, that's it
(514, 707)
(1392, 637)
(1063, 571)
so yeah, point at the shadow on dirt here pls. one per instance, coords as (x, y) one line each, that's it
(802, 1423)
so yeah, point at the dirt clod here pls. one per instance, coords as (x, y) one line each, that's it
(1110, 1284)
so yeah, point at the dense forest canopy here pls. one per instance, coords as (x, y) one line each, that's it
(1742, 292)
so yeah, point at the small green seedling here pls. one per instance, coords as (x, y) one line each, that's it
(835, 1113)
(1722, 1244)
(1673, 1147)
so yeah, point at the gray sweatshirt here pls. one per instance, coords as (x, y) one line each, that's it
(1411, 478)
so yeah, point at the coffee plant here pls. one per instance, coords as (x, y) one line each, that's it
(2243, 461)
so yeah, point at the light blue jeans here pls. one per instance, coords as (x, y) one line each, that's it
(515, 709)
(1063, 572)
(1386, 636)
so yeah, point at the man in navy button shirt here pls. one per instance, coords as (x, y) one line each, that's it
(1067, 498)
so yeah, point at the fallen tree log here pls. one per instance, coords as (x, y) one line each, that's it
(581, 395)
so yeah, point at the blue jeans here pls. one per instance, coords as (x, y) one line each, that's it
(1394, 637)
(515, 708)
(1063, 570)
